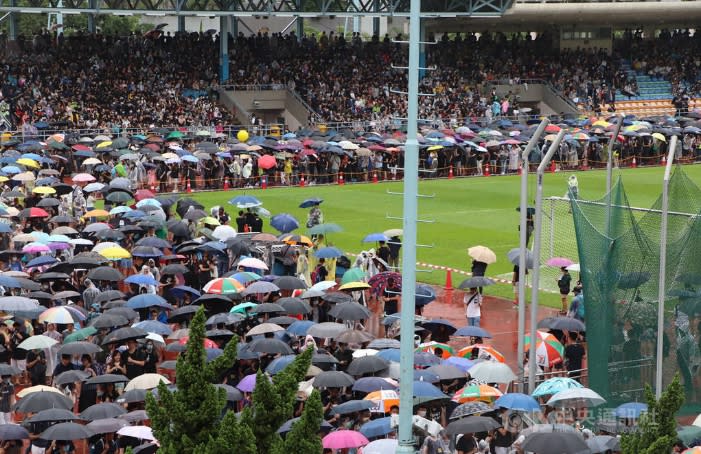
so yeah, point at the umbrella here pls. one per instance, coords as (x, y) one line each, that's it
(554, 443)
(333, 379)
(264, 328)
(373, 237)
(326, 330)
(377, 427)
(482, 254)
(350, 311)
(247, 383)
(353, 336)
(431, 347)
(260, 287)
(342, 439)
(37, 342)
(106, 425)
(308, 203)
(352, 406)
(250, 262)
(146, 381)
(473, 331)
(446, 372)
(472, 424)
(13, 432)
(146, 300)
(329, 252)
(576, 398)
(66, 431)
(476, 282)
(139, 432)
(270, 346)
(476, 392)
(384, 343)
(630, 410)
(367, 365)
(108, 321)
(154, 326)
(287, 426)
(279, 363)
(555, 385)
(517, 402)
(470, 408)
(123, 335)
(53, 415)
(134, 395)
(106, 378)
(371, 384)
(559, 262)
(70, 376)
(484, 351)
(514, 257)
(604, 443)
(381, 446)
(549, 351)
(324, 229)
(562, 323)
(300, 328)
(290, 283)
(223, 286)
(35, 402)
(284, 223)
(102, 411)
(105, 273)
(294, 306)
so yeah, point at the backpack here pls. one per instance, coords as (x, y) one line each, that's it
(316, 278)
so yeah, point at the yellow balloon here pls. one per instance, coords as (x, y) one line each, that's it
(242, 135)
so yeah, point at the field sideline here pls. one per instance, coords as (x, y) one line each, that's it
(466, 211)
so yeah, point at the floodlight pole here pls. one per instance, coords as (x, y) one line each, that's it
(523, 207)
(663, 265)
(538, 222)
(411, 178)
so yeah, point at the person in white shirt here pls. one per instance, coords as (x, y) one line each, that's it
(473, 303)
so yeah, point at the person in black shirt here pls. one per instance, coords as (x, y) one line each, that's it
(467, 444)
(241, 222)
(383, 252)
(134, 360)
(390, 298)
(64, 366)
(574, 354)
(36, 367)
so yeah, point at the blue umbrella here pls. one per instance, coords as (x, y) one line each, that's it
(424, 294)
(473, 331)
(426, 359)
(153, 241)
(300, 328)
(308, 203)
(245, 277)
(377, 427)
(11, 169)
(5, 228)
(10, 282)
(352, 406)
(146, 300)
(213, 353)
(180, 290)
(517, 402)
(371, 238)
(213, 246)
(463, 364)
(278, 364)
(245, 201)
(141, 279)
(42, 260)
(328, 253)
(390, 354)
(284, 222)
(370, 384)
(154, 326)
(630, 410)
(425, 389)
(33, 156)
(426, 376)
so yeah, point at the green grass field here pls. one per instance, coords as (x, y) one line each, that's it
(466, 211)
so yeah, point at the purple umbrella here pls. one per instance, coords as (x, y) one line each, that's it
(247, 383)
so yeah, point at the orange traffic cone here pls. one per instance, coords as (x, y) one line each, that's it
(301, 181)
(340, 179)
(663, 162)
(448, 280)
(189, 188)
(634, 164)
(486, 170)
(552, 166)
(450, 172)
(374, 177)
(585, 164)
(520, 171)
(226, 184)
(264, 182)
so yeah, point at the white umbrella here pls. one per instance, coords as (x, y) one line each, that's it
(106, 245)
(37, 389)
(492, 372)
(482, 254)
(364, 352)
(574, 267)
(37, 342)
(323, 285)
(576, 398)
(264, 328)
(382, 446)
(146, 381)
(250, 262)
(224, 232)
(140, 432)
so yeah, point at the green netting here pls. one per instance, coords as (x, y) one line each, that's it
(619, 252)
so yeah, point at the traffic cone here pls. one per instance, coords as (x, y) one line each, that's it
(450, 172)
(264, 182)
(301, 181)
(552, 166)
(374, 177)
(585, 164)
(226, 184)
(634, 164)
(520, 171)
(189, 188)
(340, 179)
(663, 162)
(486, 170)
(448, 280)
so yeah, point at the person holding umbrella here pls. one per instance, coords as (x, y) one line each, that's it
(473, 304)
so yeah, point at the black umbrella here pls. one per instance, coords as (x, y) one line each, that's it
(109, 295)
(136, 415)
(183, 204)
(43, 400)
(106, 378)
(63, 219)
(66, 431)
(224, 318)
(105, 273)
(146, 448)
(333, 379)
(48, 202)
(354, 336)
(232, 394)
(70, 376)
(367, 365)
(294, 306)
(52, 276)
(473, 424)
(476, 282)
(195, 215)
(123, 335)
(268, 308)
(238, 246)
(119, 196)
(324, 427)
(352, 406)
(175, 268)
(102, 411)
(219, 334)
(108, 321)
(282, 320)
(62, 189)
(469, 409)
(324, 358)
(79, 348)
(337, 297)
(554, 443)
(52, 415)
(132, 396)
(446, 372)
(562, 323)
(350, 311)
(13, 432)
(6, 369)
(107, 425)
(126, 312)
(270, 346)
(290, 283)
(183, 313)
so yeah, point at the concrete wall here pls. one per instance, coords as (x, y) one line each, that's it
(270, 105)
(549, 101)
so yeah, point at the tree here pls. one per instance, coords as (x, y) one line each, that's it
(657, 428)
(232, 433)
(273, 402)
(300, 438)
(186, 420)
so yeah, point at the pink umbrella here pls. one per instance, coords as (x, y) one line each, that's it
(83, 178)
(559, 262)
(266, 162)
(341, 439)
(35, 248)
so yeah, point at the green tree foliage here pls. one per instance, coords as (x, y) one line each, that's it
(29, 24)
(657, 432)
(273, 402)
(300, 438)
(184, 421)
(232, 434)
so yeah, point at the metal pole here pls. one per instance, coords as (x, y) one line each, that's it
(522, 243)
(538, 222)
(609, 161)
(663, 265)
(411, 178)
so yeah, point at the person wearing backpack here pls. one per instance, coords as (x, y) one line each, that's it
(320, 273)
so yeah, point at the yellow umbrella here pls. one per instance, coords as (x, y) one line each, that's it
(634, 127)
(28, 163)
(115, 253)
(357, 285)
(44, 190)
(435, 148)
(104, 144)
(659, 136)
(603, 123)
(3, 179)
(210, 221)
(96, 214)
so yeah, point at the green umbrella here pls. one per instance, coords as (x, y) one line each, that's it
(323, 229)
(174, 135)
(119, 196)
(353, 275)
(241, 308)
(80, 335)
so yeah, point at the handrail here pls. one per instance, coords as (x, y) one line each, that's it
(299, 98)
(253, 87)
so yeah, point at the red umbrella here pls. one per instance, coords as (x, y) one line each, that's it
(33, 213)
(266, 162)
(207, 342)
(379, 281)
(144, 194)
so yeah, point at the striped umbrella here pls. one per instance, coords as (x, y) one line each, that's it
(223, 286)
(384, 400)
(549, 351)
(430, 347)
(484, 352)
(471, 393)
